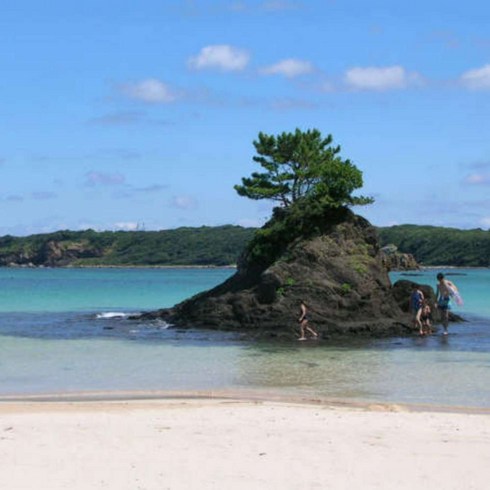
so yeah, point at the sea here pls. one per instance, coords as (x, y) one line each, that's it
(68, 332)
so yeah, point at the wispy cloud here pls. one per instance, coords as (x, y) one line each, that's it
(479, 174)
(126, 118)
(151, 188)
(183, 202)
(43, 195)
(477, 79)
(485, 221)
(128, 191)
(380, 78)
(105, 179)
(14, 198)
(222, 57)
(288, 104)
(289, 68)
(113, 154)
(447, 38)
(151, 91)
(477, 179)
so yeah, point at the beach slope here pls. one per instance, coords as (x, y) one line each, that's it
(223, 444)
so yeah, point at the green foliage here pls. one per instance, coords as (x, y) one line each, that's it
(214, 246)
(303, 219)
(431, 245)
(360, 268)
(346, 288)
(302, 165)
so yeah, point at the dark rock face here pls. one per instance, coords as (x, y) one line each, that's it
(402, 290)
(338, 272)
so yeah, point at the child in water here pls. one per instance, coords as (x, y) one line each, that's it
(416, 303)
(425, 319)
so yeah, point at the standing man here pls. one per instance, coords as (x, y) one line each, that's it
(445, 289)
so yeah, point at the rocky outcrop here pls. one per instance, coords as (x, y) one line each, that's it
(394, 260)
(337, 269)
(51, 254)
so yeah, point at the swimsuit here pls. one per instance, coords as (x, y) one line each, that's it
(416, 301)
(443, 303)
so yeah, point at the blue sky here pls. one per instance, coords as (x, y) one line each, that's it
(117, 115)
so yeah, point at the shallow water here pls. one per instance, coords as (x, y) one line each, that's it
(69, 332)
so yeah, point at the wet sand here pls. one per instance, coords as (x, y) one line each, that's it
(188, 441)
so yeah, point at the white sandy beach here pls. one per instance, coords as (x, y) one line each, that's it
(235, 444)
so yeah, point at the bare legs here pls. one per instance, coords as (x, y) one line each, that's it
(303, 328)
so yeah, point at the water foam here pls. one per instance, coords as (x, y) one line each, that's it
(111, 314)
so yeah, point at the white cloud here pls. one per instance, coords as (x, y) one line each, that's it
(183, 202)
(151, 90)
(289, 68)
(485, 221)
(380, 78)
(250, 223)
(220, 56)
(477, 79)
(478, 179)
(126, 226)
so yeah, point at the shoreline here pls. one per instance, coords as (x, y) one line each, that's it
(239, 396)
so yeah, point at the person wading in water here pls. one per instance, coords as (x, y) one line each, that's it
(304, 323)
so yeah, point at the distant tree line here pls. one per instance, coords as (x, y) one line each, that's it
(432, 245)
(220, 246)
(204, 246)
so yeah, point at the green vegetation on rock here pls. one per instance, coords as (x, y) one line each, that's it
(302, 165)
(313, 185)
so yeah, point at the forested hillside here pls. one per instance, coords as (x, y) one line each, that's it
(221, 245)
(431, 245)
(214, 246)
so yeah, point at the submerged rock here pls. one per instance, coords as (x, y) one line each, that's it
(334, 265)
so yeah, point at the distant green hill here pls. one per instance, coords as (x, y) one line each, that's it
(221, 245)
(210, 246)
(432, 245)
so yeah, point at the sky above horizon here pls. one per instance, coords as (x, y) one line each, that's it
(142, 115)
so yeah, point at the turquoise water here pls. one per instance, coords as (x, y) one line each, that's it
(67, 331)
(57, 290)
(474, 285)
